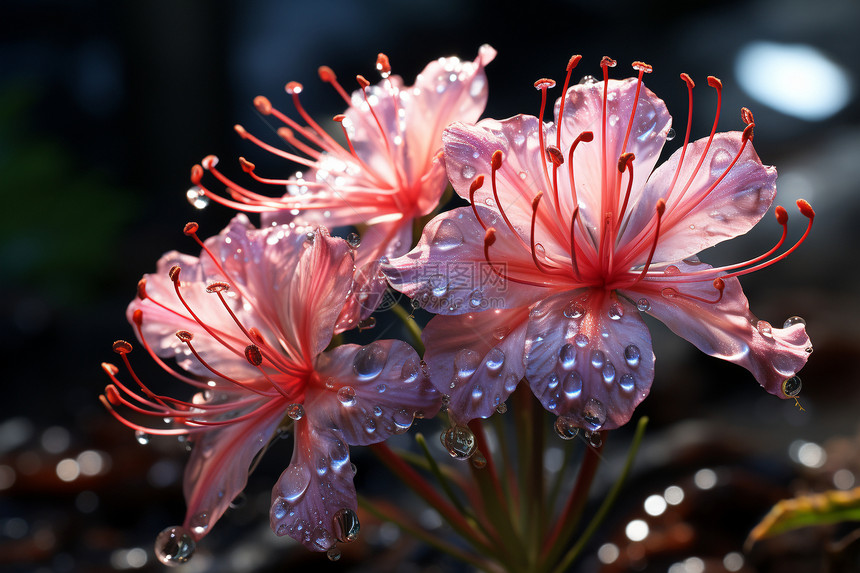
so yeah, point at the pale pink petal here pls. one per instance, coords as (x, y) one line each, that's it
(448, 274)
(703, 217)
(476, 359)
(314, 488)
(728, 329)
(371, 392)
(589, 358)
(218, 468)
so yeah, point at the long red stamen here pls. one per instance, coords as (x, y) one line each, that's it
(233, 381)
(660, 208)
(138, 322)
(606, 203)
(585, 136)
(625, 162)
(496, 164)
(489, 239)
(540, 266)
(475, 185)
(294, 89)
(574, 60)
(543, 85)
(328, 76)
(573, 245)
(643, 69)
(690, 85)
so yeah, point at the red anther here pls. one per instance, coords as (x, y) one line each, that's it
(122, 347)
(110, 369)
(536, 200)
(362, 81)
(661, 206)
(141, 289)
(642, 67)
(805, 208)
(294, 88)
(263, 105)
(781, 215)
(544, 84)
(173, 273)
(489, 237)
(555, 155)
(339, 118)
(253, 354)
(241, 131)
(624, 160)
(112, 395)
(688, 80)
(246, 165)
(383, 66)
(476, 184)
(496, 161)
(184, 335)
(572, 62)
(747, 116)
(719, 284)
(326, 74)
(137, 316)
(608, 62)
(256, 336)
(196, 174)
(190, 228)
(748, 132)
(211, 161)
(218, 286)
(284, 133)
(586, 136)
(715, 82)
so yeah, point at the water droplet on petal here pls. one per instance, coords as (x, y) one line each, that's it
(580, 340)
(142, 437)
(587, 80)
(333, 554)
(572, 385)
(608, 372)
(411, 370)
(627, 382)
(670, 135)
(197, 197)
(295, 482)
(598, 357)
(466, 362)
(447, 236)
(565, 428)
(478, 460)
(369, 425)
(199, 523)
(501, 408)
(460, 442)
(346, 395)
(369, 361)
(643, 304)
(494, 360)
(477, 393)
(573, 310)
(403, 419)
(438, 285)
(668, 292)
(353, 240)
(720, 162)
(174, 545)
(346, 526)
(296, 411)
(567, 356)
(615, 311)
(552, 381)
(789, 322)
(476, 298)
(632, 355)
(672, 271)
(792, 386)
(501, 332)
(594, 414)
(764, 328)
(594, 439)
(468, 172)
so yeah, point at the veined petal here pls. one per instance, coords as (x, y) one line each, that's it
(589, 358)
(371, 392)
(701, 217)
(448, 274)
(218, 468)
(727, 329)
(476, 359)
(314, 488)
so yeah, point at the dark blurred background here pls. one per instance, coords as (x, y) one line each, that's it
(104, 107)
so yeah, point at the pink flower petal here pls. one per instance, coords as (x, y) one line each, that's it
(588, 358)
(476, 359)
(314, 488)
(371, 392)
(701, 218)
(727, 329)
(448, 274)
(218, 468)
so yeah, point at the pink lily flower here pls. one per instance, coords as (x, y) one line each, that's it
(389, 173)
(249, 321)
(570, 236)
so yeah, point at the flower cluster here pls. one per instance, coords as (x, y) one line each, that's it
(570, 235)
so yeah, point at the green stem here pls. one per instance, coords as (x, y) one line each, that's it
(598, 518)
(411, 326)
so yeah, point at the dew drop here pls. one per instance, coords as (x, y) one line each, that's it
(594, 414)
(598, 357)
(296, 480)
(552, 381)
(792, 386)
(567, 356)
(369, 425)
(479, 461)
(643, 304)
(573, 310)
(174, 545)
(345, 525)
(197, 197)
(572, 385)
(594, 439)
(720, 162)
(494, 360)
(789, 322)
(565, 428)
(670, 135)
(764, 328)
(668, 292)
(296, 411)
(501, 332)
(200, 523)
(672, 271)
(438, 285)
(608, 373)
(580, 340)
(613, 120)
(346, 395)
(353, 240)
(468, 172)
(476, 298)
(403, 419)
(501, 408)
(142, 437)
(460, 442)
(587, 80)
(632, 355)
(466, 362)
(333, 553)
(411, 370)
(367, 323)
(615, 311)
(447, 236)
(477, 393)
(627, 382)
(369, 361)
